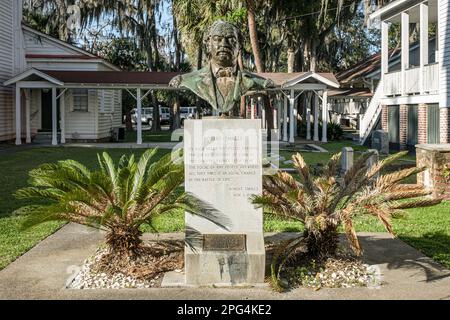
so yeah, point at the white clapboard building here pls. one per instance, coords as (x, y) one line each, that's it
(412, 102)
(29, 55)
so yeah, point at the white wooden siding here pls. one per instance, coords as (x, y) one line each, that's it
(444, 52)
(81, 125)
(94, 124)
(36, 44)
(6, 70)
(111, 114)
(54, 64)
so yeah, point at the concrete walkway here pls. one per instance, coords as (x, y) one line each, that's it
(42, 273)
(124, 145)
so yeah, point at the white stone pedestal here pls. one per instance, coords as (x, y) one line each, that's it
(223, 167)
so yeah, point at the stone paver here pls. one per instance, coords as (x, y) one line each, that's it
(43, 272)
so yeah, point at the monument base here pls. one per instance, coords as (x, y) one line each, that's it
(227, 268)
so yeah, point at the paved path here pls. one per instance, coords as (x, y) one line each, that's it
(125, 145)
(42, 273)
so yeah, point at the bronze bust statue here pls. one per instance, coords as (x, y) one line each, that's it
(221, 82)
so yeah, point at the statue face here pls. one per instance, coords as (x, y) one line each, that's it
(223, 45)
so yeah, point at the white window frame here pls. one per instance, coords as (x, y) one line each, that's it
(80, 93)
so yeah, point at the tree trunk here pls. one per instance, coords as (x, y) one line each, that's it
(242, 109)
(128, 123)
(175, 114)
(322, 243)
(200, 55)
(155, 49)
(177, 44)
(291, 59)
(313, 56)
(149, 57)
(175, 110)
(254, 35)
(156, 124)
(124, 242)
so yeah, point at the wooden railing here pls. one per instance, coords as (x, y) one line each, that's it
(393, 81)
(370, 117)
(431, 78)
(412, 79)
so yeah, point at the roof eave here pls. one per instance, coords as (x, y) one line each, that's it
(30, 72)
(392, 9)
(308, 75)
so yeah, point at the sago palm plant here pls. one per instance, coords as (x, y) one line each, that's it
(118, 199)
(325, 202)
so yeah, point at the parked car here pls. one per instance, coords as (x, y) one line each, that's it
(164, 115)
(147, 115)
(188, 113)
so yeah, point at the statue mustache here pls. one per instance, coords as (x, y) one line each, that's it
(225, 49)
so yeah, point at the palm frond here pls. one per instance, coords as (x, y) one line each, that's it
(303, 171)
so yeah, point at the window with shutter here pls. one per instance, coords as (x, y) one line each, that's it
(80, 100)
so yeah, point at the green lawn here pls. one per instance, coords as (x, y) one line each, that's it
(14, 175)
(321, 158)
(426, 229)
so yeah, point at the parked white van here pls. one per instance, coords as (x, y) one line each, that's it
(188, 113)
(147, 115)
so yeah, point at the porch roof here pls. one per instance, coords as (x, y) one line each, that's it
(350, 93)
(391, 11)
(97, 79)
(154, 80)
(285, 80)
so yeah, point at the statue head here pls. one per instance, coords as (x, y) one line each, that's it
(223, 43)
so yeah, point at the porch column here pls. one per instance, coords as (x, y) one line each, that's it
(295, 118)
(423, 45)
(263, 112)
(384, 48)
(291, 116)
(62, 114)
(18, 116)
(28, 114)
(278, 112)
(138, 116)
(316, 117)
(308, 117)
(405, 49)
(252, 108)
(324, 115)
(54, 119)
(285, 115)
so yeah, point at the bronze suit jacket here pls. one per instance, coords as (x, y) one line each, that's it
(202, 83)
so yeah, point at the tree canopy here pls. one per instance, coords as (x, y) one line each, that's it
(279, 35)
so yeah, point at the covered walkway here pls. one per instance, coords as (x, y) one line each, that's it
(288, 88)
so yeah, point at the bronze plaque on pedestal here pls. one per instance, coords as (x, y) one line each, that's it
(224, 242)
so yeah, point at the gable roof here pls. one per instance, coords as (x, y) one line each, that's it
(78, 52)
(33, 74)
(284, 80)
